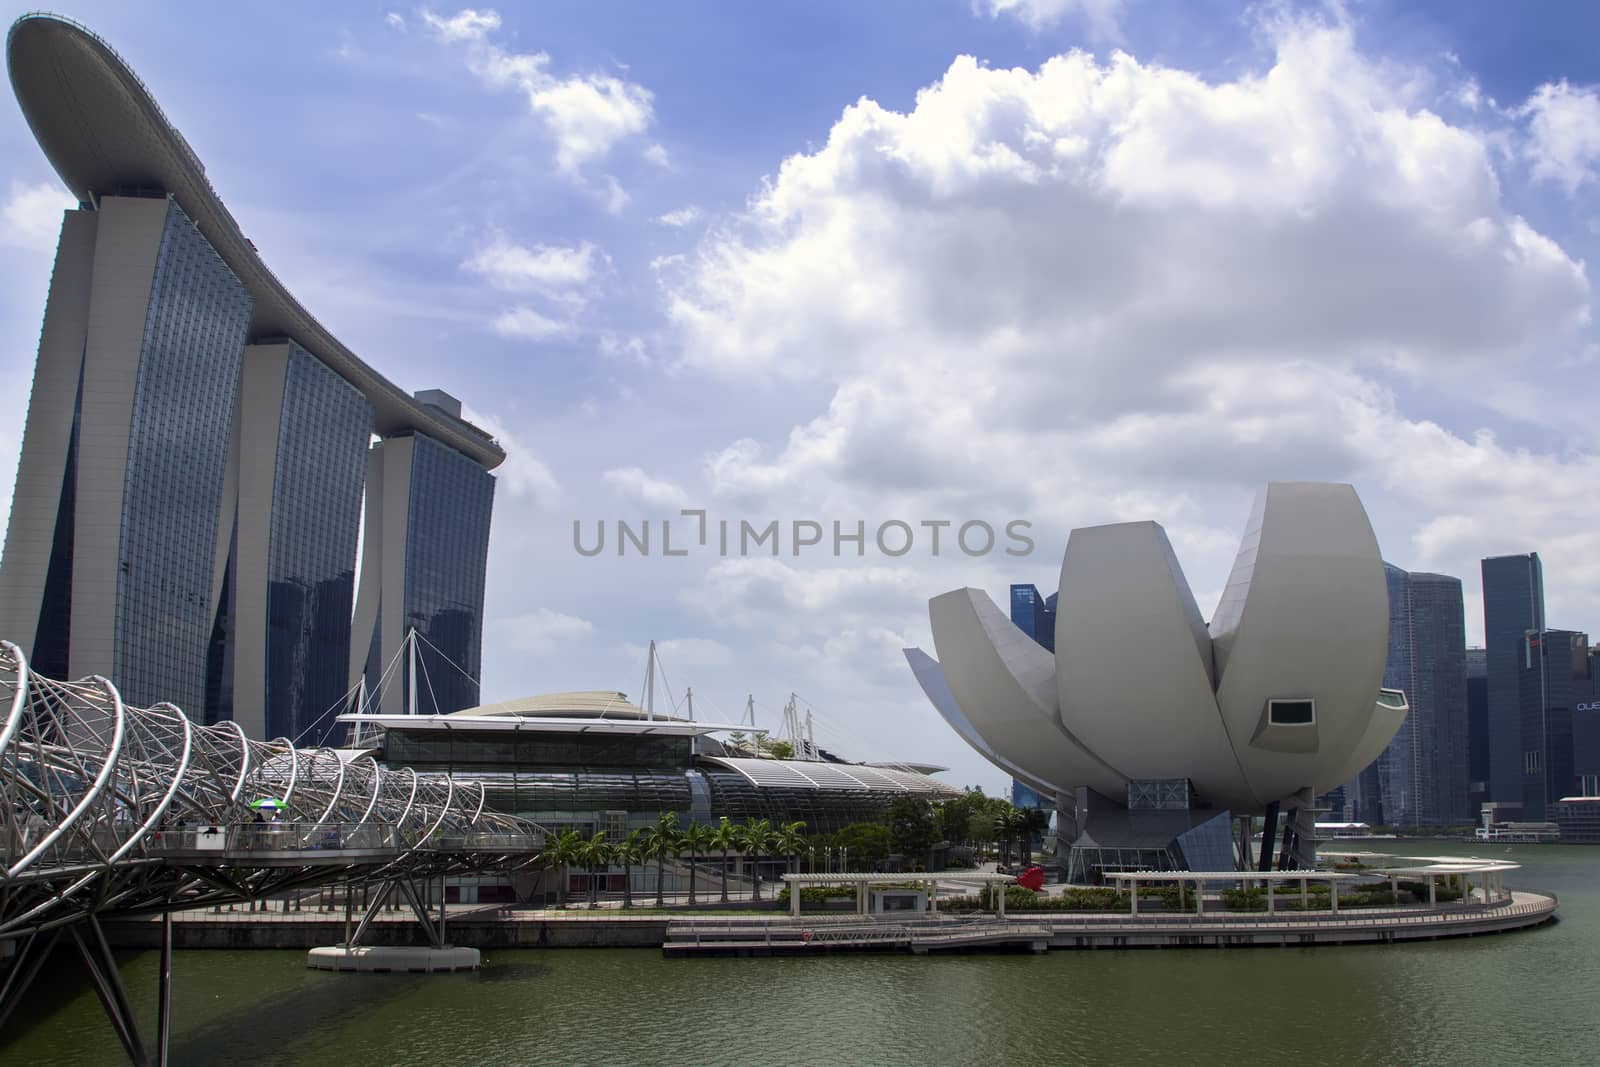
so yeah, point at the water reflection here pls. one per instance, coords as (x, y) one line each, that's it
(1520, 998)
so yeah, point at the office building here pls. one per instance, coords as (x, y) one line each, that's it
(1513, 604)
(1477, 729)
(1555, 693)
(1034, 615)
(1422, 775)
(189, 491)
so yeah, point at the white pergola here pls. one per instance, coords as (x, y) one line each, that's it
(862, 881)
(1457, 869)
(1131, 880)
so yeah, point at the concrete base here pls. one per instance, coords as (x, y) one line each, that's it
(385, 959)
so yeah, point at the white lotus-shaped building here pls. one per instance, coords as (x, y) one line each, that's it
(1277, 699)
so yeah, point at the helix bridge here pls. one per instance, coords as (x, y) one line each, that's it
(109, 810)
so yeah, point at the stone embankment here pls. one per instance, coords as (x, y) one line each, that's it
(762, 934)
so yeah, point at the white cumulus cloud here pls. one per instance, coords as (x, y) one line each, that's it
(527, 324)
(542, 268)
(1563, 143)
(586, 114)
(1101, 15)
(31, 218)
(634, 484)
(1101, 291)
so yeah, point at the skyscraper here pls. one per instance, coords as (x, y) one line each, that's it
(1477, 729)
(422, 572)
(188, 496)
(1034, 615)
(1554, 685)
(1513, 604)
(1422, 775)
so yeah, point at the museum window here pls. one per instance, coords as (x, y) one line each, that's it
(1291, 712)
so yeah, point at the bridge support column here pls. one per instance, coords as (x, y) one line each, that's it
(102, 967)
(25, 968)
(164, 994)
(1268, 831)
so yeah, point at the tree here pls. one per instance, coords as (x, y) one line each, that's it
(593, 853)
(630, 850)
(758, 839)
(696, 839)
(792, 841)
(725, 837)
(561, 851)
(661, 841)
(867, 843)
(778, 749)
(1004, 827)
(911, 828)
(1018, 823)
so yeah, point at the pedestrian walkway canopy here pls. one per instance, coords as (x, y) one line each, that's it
(862, 880)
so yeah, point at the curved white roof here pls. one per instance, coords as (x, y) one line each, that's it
(102, 131)
(579, 704)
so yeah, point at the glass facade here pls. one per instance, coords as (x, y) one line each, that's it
(1555, 685)
(1023, 797)
(1513, 604)
(177, 455)
(447, 553)
(316, 513)
(580, 780)
(1034, 615)
(1477, 729)
(1422, 775)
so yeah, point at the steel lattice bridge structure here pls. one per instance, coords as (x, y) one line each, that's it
(113, 810)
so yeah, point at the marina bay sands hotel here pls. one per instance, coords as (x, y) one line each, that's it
(189, 499)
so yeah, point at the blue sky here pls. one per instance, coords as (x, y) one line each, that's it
(805, 262)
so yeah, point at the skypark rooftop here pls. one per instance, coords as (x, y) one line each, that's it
(104, 134)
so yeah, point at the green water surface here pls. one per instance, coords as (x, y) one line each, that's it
(1523, 998)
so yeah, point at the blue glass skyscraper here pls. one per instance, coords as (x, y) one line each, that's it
(1513, 604)
(425, 557)
(1422, 775)
(1034, 615)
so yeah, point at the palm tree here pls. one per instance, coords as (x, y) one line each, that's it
(629, 850)
(1020, 824)
(593, 853)
(696, 839)
(561, 851)
(792, 841)
(758, 838)
(725, 836)
(661, 841)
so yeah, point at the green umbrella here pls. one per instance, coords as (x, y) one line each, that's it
(270, 805)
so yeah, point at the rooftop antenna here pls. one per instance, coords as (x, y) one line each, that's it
(688, 695)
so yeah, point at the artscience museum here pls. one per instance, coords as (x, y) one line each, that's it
(1160, 734)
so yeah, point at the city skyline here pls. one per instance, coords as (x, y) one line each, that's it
(651, 272)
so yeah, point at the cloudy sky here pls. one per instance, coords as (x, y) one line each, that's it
(1066, 261)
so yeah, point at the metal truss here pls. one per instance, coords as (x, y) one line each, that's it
(106, 808)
